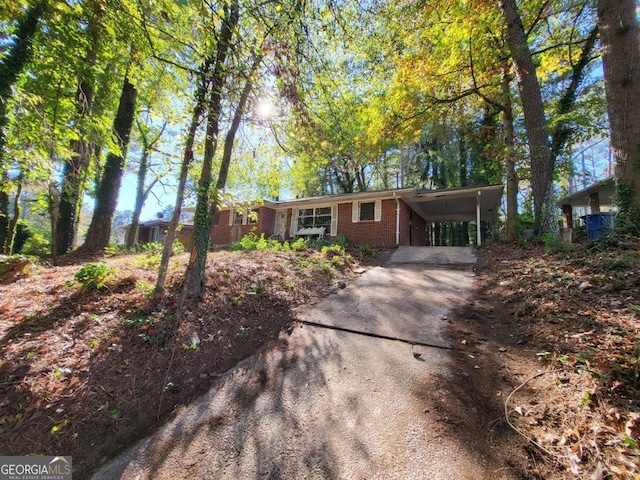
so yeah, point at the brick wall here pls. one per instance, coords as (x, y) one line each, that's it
(266, 220)
(419, 231)
(374, 234)
(223, 234)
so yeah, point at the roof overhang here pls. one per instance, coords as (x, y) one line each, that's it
(456, 204)
(345, 198)
(604, 188)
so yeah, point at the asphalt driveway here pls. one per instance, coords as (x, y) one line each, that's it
(334, 402)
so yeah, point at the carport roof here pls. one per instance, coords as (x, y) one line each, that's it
(456, 204)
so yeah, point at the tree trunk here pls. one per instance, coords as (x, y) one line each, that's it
(221, 182)
(73, 169)
(53, 201)
(12, 65)
(510, 157)
(132, 233)
(535, 121)
(187, 158)
(109, 187)
(194, 276)
(141, 192)
(8, 247)
(4, 205)
(620, 37)
(464, 181)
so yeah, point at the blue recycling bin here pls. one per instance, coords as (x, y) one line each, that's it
(598, 224)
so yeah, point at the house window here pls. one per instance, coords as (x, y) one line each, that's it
(252, 218)
(156, 234)
(314, 217)
(238, 217)
(367, 211)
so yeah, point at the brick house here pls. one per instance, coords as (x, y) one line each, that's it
(155, 231)
(386, 218)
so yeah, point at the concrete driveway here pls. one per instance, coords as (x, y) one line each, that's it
(334, 403)
(405, 300)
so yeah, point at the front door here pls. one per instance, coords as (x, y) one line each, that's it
(280, 229)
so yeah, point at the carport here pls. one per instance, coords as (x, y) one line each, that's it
(465, 204)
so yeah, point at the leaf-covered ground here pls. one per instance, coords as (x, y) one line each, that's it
(86, 373)
(555, 341)
(552, 341)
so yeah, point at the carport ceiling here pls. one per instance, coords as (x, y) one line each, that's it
(458, 204)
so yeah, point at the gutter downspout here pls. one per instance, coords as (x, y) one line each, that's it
(397, 219)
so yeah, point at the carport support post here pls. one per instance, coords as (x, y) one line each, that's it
(478, 227)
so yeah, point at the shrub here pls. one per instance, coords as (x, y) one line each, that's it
(251, 241)
(152, 248)
(36, 245)
(177, 248)
(332, 250)
(298, 245)
(21, 235)
(93, 276)
(365, 251)
(342, 240)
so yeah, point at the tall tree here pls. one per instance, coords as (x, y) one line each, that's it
(194, 275)
(620, 36)
(18, 55)
(535, 119)
(111, 178)
(75, 166)
(142, 189)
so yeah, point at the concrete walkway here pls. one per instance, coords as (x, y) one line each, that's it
(332, 403)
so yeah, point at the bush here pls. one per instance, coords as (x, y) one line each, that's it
(342, 240)
(251, 241)
(93, 276)
(331, 250)
(36, 245)
(298, 245)
(21, 235)
(177, 248)
(365, 251)
(152, 248)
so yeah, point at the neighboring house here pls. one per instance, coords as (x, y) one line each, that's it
(594, 203)
(379, 219)
(155, 231)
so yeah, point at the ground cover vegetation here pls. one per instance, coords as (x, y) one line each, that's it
(553, 336)
(89, 361)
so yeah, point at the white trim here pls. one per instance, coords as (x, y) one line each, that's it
(356, 210)
(334, 220)
(397, 220)
(377, 215)
(294, 222)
